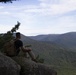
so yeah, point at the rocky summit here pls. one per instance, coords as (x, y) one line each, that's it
(23, 66)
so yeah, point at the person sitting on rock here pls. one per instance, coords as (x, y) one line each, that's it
(19, 46)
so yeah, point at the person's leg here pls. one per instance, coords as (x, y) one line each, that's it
(32, 55)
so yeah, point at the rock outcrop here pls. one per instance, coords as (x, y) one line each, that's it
(29, 67)
(8, 66)
(22, 66)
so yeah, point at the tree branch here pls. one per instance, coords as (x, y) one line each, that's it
(5, 1)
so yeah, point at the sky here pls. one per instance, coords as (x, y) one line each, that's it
(39, 16)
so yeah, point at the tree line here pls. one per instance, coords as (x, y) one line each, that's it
(5, 1)
(5, 37)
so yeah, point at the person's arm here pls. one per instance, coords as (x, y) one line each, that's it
(25, 49)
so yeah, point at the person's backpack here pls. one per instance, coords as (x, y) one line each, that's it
(10, 49)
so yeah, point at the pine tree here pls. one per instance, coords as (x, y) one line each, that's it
(4, 38)
(5, 1)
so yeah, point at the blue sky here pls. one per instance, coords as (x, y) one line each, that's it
(39, 16)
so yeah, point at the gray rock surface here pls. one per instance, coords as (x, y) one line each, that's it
(22, 66)
(8, 66)
(29, 67)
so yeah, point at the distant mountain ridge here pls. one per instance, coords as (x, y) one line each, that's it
(47, 50)
(67, 40)
(53, 52)
(49, 37)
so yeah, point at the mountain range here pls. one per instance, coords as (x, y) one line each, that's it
(54, 48)
(57, 50)
(67, 40)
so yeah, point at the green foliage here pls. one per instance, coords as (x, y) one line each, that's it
(61, 59)
(27, 45)
(39, 59)
(65, 70)
(15, 28)
(5, 1)
(4, 38)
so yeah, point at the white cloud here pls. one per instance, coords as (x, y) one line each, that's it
(5, 13)
(1, 7)
(31, 16)
(62, 25)
(46, 7)
(4, 28)
(52, 7)
(58, 6)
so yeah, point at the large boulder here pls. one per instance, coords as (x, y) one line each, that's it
(8, 66)
(29, 67)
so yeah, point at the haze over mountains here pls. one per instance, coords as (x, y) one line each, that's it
(67, 40)
(56, 49)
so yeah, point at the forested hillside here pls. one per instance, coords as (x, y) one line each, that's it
(60, 58)
(57, 55)
(67, 40)
(52, 53)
